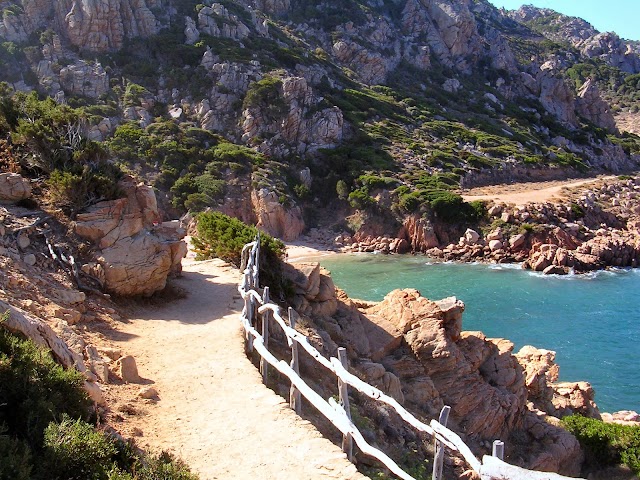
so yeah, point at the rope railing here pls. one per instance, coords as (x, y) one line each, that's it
(338, 413)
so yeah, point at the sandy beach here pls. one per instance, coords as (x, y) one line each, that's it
(301, 251)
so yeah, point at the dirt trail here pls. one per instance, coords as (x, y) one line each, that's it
(521, 193)
(214, 411)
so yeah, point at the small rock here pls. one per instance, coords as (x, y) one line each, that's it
(148, 392)
(23, 241)
(494, 210)
(555, 270)
(128, 369)
(495, 245)
(30, 259)
(112, 353)
(506, 217)
(471, 236)
(517, 241)
(95, 393)
(69, 297)
(70, 316)
(136, 432)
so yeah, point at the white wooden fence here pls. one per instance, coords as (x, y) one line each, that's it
(258, 307)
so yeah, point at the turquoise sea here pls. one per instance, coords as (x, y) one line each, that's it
(592, 321)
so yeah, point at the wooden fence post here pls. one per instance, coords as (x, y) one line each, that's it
(438, 458)
(343, 389)
(256, 277)
(295, 399)
(250, 313)
(264, 366)
(498, 449)
(246, 286)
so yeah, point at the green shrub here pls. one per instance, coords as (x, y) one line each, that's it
(577, 210)
(35, 389)
(342, 189)
(361, 199)
(265, 94)
(15, 459)
(74, 450)
(371, 182)
(229, 152)
(606, 444)
(73, 190)
(221, 236)
(163, 467)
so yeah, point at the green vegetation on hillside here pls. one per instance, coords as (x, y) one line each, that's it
(606, 444)
(46, 426)
(221, 236)
(48, 139)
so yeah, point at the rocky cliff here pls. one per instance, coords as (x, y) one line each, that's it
(415, 350)
(429, 93)
(580, 34)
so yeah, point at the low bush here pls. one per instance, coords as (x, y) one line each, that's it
(15, 458)
(606, 444)
(221, 236)
(74, 450)
(35, 390)
(43, 432)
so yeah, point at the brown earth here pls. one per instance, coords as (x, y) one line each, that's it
(212, 409)
(520, 193)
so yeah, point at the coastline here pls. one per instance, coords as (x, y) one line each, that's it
(309, 252)
(303, 250)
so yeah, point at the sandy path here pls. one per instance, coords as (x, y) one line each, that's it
(521, 193)
(214, 411)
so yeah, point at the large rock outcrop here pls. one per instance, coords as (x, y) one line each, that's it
(92, 25)
(590, 105)
(293, 121)
(591, 43)
(135, 252)
(275, 218)
(415, 350)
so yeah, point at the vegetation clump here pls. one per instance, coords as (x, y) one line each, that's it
(221, 236)
(46, 429)
(606, 444)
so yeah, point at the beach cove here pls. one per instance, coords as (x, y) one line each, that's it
(591, 321)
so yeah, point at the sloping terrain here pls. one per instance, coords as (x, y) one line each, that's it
(212, 408)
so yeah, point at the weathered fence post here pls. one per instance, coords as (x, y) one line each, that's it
(498, 449)
(295, 399)
(256, 273)
(264, 366)
(343, 389)
(248, 310)
(438, 458)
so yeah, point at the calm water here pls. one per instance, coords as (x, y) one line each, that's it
(591, 321)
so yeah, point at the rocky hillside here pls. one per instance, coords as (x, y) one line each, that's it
(606, 58)
(271, 110)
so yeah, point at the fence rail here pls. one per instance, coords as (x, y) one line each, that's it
(258, 307)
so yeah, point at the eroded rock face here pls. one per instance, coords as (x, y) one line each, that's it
(590, 105)
(294, 124)
(82, 78)
(102, 26)
(275, 218)
(14, 187)
(556, 97)
(92, 25)
(414, 349)
(135, 252)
